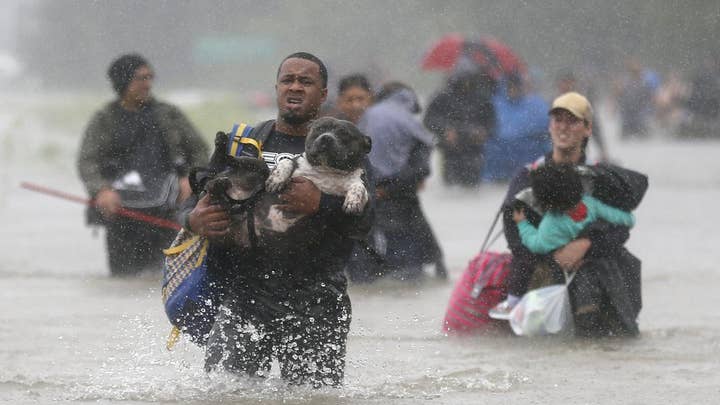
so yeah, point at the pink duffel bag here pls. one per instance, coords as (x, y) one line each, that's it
(481, 287)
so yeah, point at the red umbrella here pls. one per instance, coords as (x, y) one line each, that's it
(491, 55)
(444, 53)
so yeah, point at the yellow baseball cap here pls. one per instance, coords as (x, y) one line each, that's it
(575, 103)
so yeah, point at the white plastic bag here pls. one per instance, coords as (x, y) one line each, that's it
(544, 311)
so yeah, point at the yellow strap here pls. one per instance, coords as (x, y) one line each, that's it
(173, 338)
(203, 252)
(252, 142)
(238, 136)
(238, 139)
(179, 248)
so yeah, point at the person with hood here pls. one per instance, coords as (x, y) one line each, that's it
(520, 132)
(463, 117)
(400, 157)
(137, 152)
(605, 293)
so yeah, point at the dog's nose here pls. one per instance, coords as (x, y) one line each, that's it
(324, 141)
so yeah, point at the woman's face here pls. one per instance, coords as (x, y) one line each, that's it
(568, 132)
(353, 102)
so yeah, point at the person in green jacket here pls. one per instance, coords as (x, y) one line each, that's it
(136, 153)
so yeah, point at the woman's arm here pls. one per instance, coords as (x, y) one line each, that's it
(599, 239)
(546, 237)
(610, 213)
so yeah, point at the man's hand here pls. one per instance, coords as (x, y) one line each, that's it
(300, 197)
(185, 189)
(108, 202)
(208, 220)
(570, 256)
(518, 215)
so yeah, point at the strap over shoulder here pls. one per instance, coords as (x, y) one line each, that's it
(243, 134)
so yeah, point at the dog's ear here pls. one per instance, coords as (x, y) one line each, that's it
(218, 160)
(367, 143)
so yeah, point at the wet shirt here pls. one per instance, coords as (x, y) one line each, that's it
(280, 146)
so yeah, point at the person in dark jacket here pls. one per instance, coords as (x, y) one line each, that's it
(401, 161)
(463, 117)
(137, 150)
(605, 293)
(290, 305)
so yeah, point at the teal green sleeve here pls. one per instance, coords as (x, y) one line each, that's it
(611, 214)
(550, 235)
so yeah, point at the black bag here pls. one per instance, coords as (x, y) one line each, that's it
(617, 186)
(224, 151)
(158, 198)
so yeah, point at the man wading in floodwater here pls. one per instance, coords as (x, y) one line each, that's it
(289, 305)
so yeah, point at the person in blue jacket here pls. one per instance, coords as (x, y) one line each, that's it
(521, 134)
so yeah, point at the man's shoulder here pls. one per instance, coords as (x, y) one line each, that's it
(264, 128)
(108, 108)
(106, 115)
(164, 107)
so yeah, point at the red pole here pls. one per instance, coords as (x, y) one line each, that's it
(125, 212)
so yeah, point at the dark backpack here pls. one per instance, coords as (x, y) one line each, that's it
(190, 295)
(242, 140)
(614, 185)
(617, 186)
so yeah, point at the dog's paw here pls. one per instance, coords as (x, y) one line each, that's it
(355, 199)
(274, 183)
(279, 177)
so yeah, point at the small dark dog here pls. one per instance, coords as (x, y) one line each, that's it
(335, 152)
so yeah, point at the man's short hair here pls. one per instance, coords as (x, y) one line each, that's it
(311, 58)
(354, 80)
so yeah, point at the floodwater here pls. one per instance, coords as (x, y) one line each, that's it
(70, 333)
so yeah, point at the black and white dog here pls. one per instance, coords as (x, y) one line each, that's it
(335, 151)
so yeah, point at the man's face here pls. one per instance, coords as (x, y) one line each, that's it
(138, 90)
(353, 102)
(300, 91)
(568, 131)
